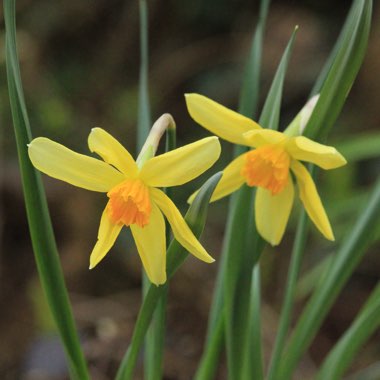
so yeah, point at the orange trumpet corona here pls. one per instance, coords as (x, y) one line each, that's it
(129, 203)
(267, 167)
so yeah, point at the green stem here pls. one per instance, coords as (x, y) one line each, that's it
(176, 255)
(155, 339)
(235, 316)
(253, 360)
(290, 293)
(209, 360)
(153, 295)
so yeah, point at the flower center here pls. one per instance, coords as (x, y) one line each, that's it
(268, 167)
(129, 203)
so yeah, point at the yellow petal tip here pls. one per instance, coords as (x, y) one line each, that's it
(209, 259)
(158, 282)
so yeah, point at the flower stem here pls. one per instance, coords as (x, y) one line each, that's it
(155, 339)
(195, 218)
(253, 351)
(290, 292)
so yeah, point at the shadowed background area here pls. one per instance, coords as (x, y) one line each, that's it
(80, 68)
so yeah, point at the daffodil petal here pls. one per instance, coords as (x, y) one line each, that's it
(311, 200)
(221, 121)
(257, 138)
(231, 180)
(59, 162)
(272, 212)
(181, 165)
(111, 151)
(151, 245)
(107, 234)
(304, 149)
(181, 230)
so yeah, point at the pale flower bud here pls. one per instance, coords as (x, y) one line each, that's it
(150, 146)
(297, 126)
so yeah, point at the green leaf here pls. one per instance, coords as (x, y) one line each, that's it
(344, 351)
(347, 58)
(270, 115)
(345, 261)
(144, 119)
(337, 78)
(176, 255)
(249, 93)
(44, 246)
(249, 97)
(307, 283)
(243, 238)
(239, 263)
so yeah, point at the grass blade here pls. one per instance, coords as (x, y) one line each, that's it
(249, 94)
(344, 262)
(338, 79)
(270, 115)
(249, 97)
(143, 117)
(242, 239)
(340, 357)
(348, 57)
(41, 231)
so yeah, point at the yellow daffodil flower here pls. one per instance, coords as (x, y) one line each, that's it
(133, 197)
(268, 167)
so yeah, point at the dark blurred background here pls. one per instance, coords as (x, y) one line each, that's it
(80, 68)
